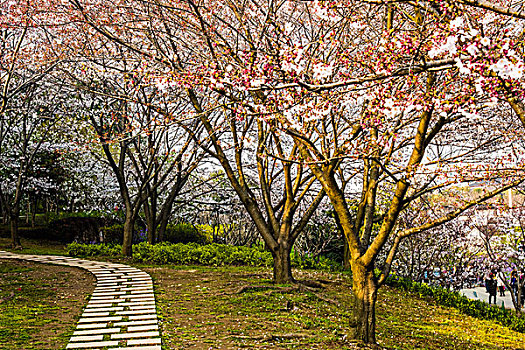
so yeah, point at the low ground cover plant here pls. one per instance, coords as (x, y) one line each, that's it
(222, 254)
(474, 308)
(197, 254)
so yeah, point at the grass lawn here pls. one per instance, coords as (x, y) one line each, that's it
(222, 308)
(40, 304)
(234, 308)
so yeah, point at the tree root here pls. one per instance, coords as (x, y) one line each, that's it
(252, 288)
(297, 287)
(271, 337)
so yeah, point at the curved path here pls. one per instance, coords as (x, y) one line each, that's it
(121, 313)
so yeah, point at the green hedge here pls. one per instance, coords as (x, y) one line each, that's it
(80, 249)
(187, 233)
(196, 254)
(474, 308)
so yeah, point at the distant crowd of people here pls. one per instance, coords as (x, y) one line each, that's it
(495, 282)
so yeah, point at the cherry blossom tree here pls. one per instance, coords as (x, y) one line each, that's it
(236, 142)
(382, 102)
(378, 105)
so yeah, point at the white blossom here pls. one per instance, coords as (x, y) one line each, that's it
(321, 71)
(508, 70)
(457, 23)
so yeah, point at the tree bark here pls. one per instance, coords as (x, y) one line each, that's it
(282, 267)
(127, 249)
(33, 213)
(365, 298)
(15, 238)
(150, 214)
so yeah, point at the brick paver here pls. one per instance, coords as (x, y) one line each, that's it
(121, 309)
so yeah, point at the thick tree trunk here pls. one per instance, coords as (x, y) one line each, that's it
(15, 238)
(346, 254)
(127, 249)
(282, 266)
(152, 228)
(151, 214)
(161, 232)
(365, 298)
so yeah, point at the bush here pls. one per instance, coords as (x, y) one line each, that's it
(51, 216)
(113, 234)
(78, 229)
(196, 254)
(187, 233)
(474, 308)
(83, 250)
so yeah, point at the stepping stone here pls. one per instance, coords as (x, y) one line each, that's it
(84, 338)
(146, 302)
(140, 348)
(95, 314)
(92, 325)
(101, 319)
(142, 317)
(134, 335)
(135, 312)
(135, 296)
(135, 323)
(106, 301)
(114, 292)
(97, 331)
(96, 309)
(91, 345)
(151, 327)
(98, 305)
(139, 307)
(152, 341)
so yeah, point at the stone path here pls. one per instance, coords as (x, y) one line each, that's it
(121, 313)
(479, 293)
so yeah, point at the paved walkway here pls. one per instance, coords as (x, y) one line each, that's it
(121, 313)
(480, 293)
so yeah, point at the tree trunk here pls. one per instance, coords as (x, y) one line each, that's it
(282, 267)
(33, 213)
(28, 212)
(151, 215)
(127, 249)
(15, 238)
(365, 297)
(161, 232)
(346, 254)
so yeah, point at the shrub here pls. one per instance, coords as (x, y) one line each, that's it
(78, 229)
(187, 233)
(474, 308)
(51, 216)
(83, 250)
(196, 254)
(113, 234)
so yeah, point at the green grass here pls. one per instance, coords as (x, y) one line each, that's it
(28, 309)
(201, 307)
(204, 307)
(34, 246)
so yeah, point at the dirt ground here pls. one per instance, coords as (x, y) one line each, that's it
(40, 304)
(232, 308)
(239, 308)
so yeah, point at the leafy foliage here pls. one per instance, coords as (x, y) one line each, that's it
(196, 254)
(80, 249)
(188, 233)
